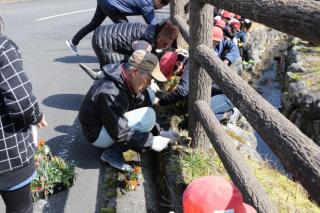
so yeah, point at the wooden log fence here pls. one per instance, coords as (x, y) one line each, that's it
(299, 154)
(238, 171)
(296, 17)
(183, 27)
(199, 80)
(177, 9)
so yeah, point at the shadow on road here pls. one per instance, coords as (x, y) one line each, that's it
(64, 101)
(72, 147)
(77, 59)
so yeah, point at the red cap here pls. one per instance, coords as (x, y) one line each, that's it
(217, 34)
(220, 23)
(212, 193)
(235, 23)
(232, 15)
(226, 14)
(167, 62)
(237, 17)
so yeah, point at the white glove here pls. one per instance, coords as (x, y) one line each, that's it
(159, 143)
(34, 134)
(154, 86)
(170, 134)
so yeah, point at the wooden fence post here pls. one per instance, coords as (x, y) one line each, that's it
(183, 27)
(177, 8)
(201, 22)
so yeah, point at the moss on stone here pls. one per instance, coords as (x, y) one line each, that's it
(309, 57)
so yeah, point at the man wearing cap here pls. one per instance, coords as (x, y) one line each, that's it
(224, 48)
(234, 28)
(112, 43)
(112, 115)
(174, 63)
(226, 16)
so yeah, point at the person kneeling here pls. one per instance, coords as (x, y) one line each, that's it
(112, 115)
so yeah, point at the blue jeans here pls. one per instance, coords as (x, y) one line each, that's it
(142, 119)
(220, 104)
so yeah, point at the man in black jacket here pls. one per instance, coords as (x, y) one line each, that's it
(111, 116)
(112, 43)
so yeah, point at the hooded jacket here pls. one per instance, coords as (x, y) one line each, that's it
(106, 103)
(112, 43)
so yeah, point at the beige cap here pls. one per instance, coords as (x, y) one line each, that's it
(147, 62)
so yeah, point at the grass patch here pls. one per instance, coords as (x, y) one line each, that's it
(107, 210)
(233, 135)
(288, 196)
(296, 76)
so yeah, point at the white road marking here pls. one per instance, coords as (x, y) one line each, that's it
(64, 14)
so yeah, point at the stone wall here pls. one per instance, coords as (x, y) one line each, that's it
(301, 96)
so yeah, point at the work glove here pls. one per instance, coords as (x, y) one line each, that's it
(159, 143)
(154, 86)
(170, 134)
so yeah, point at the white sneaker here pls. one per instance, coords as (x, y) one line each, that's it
(72, 47)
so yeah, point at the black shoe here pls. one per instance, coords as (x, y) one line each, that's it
(115, 159)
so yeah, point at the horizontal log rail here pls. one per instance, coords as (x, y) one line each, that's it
(298, 153)
(183, 27)
(233, 162)
(295, 17)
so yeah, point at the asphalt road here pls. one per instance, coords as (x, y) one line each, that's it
(40, 28)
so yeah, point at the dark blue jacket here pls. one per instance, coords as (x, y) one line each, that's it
(242, 36)
(133, 7)
(226, 49)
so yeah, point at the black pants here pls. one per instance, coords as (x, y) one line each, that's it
(99, 16)
(18, 201)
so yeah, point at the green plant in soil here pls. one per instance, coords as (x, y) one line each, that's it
(53, 173)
